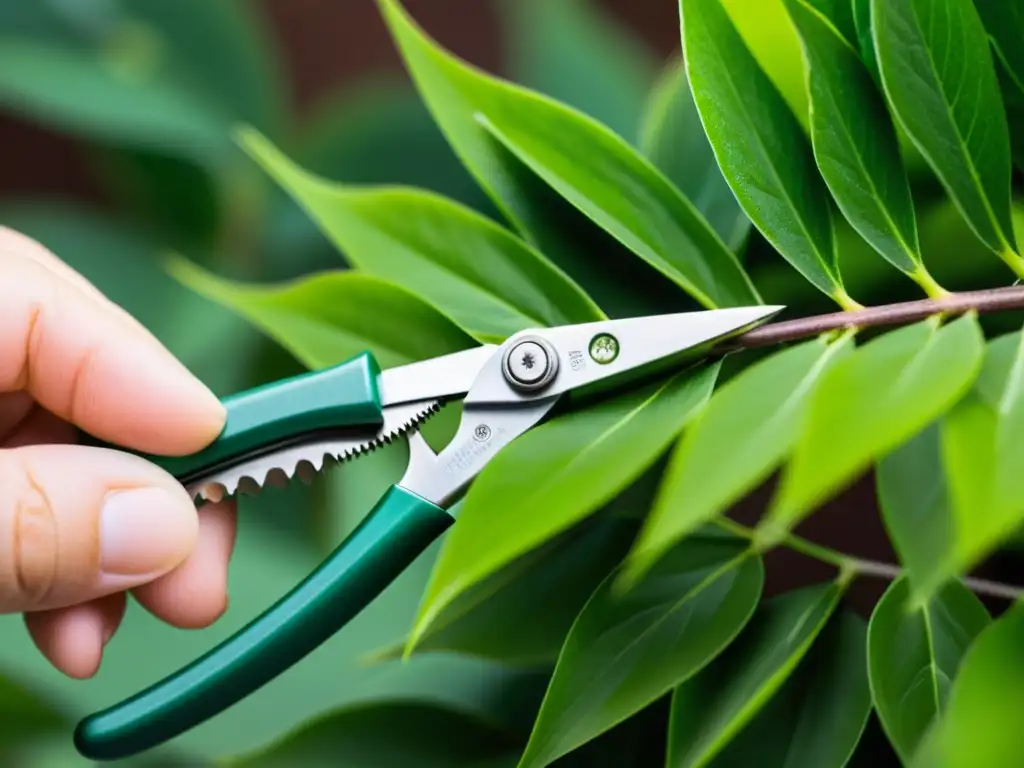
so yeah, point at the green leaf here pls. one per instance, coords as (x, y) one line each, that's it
(871, 403)
(984, 457)
(760, 146)
(105, 101)
(938, 73)
(865, 38)
(561, 49)
(672, 136)
(391, 734)
(25, 716)
(711, 708)
(981, 725)
(327, 318)
(626, 651)
(522, 613)
(733, 444)
(855, 143)
(1004, 22)
(818, 715)
(914, 499)
(483, 277)
(554, 476)
(913, 656)
(588, 165)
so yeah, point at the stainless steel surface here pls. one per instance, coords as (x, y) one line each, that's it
(530, 364)
(306, 459)
(438, 378)
(640, 341)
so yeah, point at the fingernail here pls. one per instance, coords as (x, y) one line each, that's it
(145, 530)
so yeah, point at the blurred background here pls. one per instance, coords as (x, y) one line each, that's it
(116, 149)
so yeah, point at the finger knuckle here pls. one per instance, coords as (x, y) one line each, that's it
(29, 525)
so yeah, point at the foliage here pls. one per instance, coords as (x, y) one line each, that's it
(819, 153)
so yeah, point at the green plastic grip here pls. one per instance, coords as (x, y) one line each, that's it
(345, 395)
(400, 527)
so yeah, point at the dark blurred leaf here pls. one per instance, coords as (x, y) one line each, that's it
(981, 727)
(870, 403)
(627, 650)
(25, 716)
(522, 613)
(914, 656)
(938, 73)
(673, 137)
(1004, 22)
(330, 317)
(488, 281)
(818, 715)
(710, 708)
(556, 475)
(564, 47)
(760, 146)
(747, 429)
(391, 734)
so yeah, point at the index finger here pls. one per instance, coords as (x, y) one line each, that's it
(84, 361)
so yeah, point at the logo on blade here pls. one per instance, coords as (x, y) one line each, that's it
(481, 433)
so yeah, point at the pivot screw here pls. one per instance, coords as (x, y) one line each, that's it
(530, 364)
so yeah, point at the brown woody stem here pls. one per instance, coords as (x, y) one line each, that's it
(982, 302)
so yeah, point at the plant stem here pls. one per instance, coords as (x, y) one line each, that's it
(861, 566)
(904, 313)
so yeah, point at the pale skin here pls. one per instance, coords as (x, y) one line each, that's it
(81, 527)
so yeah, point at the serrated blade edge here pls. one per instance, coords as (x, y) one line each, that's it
(306, 459)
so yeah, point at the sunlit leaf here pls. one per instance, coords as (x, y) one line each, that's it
(871, 403)
(1004, 22)
(938, 73)
(746, 430)
(760, 146)
(561, 49)
(587, 164)
(672, 136)
(554, 476)
(855, 143)
(330, 317)
(712, 707)
(982, 723)
(818, 715)
(483, 277)
(626, 651)
(913, 657)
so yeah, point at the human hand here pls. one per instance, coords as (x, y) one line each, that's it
(82, 526)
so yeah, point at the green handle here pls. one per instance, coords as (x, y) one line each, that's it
(345, 395)
(389, 539)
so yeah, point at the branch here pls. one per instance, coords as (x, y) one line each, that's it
(904, 313)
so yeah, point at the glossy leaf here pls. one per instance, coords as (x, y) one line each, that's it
(746, 430)
(983, 456)
(522, 613)
(587, 164)
(556, 475)
(392, 734)
(855, 143)
(327, 318)
(561, 49)
(712, 707)
(865, 38)
(626, 651)
(981, 724)
(871, 403)
(818, 715)
(1004, 22)
(672, 136)
(77, 92)
(487, 280)
(914, 499)
(760, 146)
(914, 655)
(938, 73)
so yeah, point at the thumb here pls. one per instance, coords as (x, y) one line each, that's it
(78, 523)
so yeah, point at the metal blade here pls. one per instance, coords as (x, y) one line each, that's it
(437, 378)
(305, 459)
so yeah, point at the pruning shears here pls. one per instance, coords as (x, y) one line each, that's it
(297, 426)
